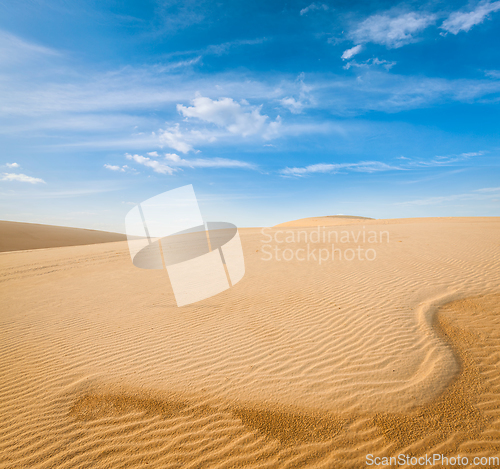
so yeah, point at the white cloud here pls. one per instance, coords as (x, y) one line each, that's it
(113, 167)
(172, 157)
(464, 21)
(305, 98)
(312, 7)
(12, 165)
(173, 138)
(157, 166)
(154, 154)
(226, 113)
(392, 31)
(351, 52)
(362, 167)
(20, 178)
(273, 129)
(293, 106)
(176, 160)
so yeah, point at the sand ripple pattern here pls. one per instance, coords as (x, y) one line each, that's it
(298, 365)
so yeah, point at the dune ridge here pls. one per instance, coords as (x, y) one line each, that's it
(17, 236)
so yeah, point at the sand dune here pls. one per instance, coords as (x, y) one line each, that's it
(301, 364)
(15, 236)
(331, 220)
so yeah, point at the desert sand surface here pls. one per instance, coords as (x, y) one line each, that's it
(303, 363)
(16, 236)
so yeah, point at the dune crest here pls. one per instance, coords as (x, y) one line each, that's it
(16, 236)
(329, 220)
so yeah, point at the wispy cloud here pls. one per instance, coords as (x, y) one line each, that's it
(312, 7)
(370, 63)
(362, 167)
(173, 15)
(20, 178)
(225, 47)
(465, 20)
(445, 160)
(15, 49)
(374, 166)
(176, 160)
(172, 162)
(117, 101)
(155, 165)
(12, 165)
(390, 29)
(114, 167)
(212, 49)
(303, 97)
(352, 52)
(478, 194)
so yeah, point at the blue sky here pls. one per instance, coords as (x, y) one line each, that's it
(272, 110)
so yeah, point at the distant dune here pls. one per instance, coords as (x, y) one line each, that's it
(15, 236)
(329, 220)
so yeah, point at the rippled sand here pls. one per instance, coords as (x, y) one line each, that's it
(300, 364)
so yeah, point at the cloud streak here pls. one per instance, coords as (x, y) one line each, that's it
(155, 165)
(173, 162)
(465, 20)
(177, 161)
(376, 166)
(312, 7)
(479, 194)
(20, 178)
(361, 167)
(391, 30)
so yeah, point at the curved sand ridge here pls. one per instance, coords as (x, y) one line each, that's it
(299, 365)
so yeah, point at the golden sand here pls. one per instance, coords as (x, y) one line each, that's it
(298, 365)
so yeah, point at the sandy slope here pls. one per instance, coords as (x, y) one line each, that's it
(299, 364)
(15, 236)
